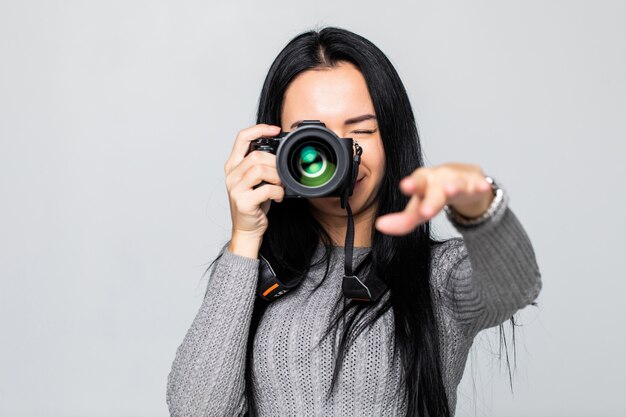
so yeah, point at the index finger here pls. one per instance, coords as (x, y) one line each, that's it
(416, 182)
(242, 142)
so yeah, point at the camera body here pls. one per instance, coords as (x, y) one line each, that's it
(312, 161)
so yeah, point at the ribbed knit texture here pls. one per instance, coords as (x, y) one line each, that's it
(477, 282)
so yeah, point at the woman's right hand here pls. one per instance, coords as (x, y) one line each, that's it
(249, 206)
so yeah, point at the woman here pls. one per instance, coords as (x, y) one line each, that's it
(303, 354)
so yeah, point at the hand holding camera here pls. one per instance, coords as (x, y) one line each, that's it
(249, 205)
(310, 161)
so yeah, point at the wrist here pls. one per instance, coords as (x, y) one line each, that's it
(475, 210)
(480, 215)
(245, 244)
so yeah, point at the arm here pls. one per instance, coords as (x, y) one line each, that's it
(207, 376)
(208, 373)
(492, 271)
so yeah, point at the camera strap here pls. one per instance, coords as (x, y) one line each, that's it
(269, 286)
(353, 287)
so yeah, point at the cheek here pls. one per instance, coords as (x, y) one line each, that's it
(375, 158)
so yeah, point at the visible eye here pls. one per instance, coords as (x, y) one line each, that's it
(364, 132)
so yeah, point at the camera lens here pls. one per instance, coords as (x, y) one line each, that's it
(312, 161)
(313, 164)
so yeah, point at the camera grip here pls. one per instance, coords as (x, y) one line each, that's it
(264, 145)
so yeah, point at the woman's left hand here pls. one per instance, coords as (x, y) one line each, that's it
(462, 186)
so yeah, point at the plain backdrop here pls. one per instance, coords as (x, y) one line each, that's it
(116, 118)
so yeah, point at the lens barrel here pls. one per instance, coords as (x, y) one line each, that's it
(312, 161)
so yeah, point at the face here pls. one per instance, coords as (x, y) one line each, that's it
(339, 98)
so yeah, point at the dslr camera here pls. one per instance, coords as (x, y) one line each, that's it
(312, 161)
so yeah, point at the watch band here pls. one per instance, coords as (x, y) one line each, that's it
(458, 218)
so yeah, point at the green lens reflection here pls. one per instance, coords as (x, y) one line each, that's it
(315, 167)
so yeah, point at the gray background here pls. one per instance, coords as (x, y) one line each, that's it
(116, 118)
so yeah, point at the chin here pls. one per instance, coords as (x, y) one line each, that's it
(332, 205)
(326, 205)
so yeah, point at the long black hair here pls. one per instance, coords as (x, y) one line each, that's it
(403, 263)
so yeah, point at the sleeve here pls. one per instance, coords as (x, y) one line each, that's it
(207, 376)
(491, 272)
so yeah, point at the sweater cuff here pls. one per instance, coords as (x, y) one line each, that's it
(233, 274)
(237, 261)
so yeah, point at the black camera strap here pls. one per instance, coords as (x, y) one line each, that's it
(269, 286)
(354, 287)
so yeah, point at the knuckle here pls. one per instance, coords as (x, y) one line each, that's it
(476, 167)
(231, 183)
(420, 171)
(446, 170)
(257, 170)
(234, 199)
(241, 133)
(255, 156)
(433, 173)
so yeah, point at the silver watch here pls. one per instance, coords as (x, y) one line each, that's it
(458, 218)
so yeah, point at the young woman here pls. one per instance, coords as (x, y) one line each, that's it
(304, 354)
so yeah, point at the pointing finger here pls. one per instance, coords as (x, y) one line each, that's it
(433, 202)
(415, 183)
(403, 222)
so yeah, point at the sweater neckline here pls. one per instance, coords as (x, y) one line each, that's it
(337, 252)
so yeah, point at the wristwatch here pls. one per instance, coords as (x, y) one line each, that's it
(458, 218)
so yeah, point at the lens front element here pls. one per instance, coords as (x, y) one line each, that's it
(313, 164)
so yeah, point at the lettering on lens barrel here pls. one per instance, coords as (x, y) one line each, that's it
(312, 161)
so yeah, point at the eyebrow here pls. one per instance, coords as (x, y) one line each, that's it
(350, 121)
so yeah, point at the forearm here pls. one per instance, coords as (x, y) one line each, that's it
(499, 274)
(207, 376)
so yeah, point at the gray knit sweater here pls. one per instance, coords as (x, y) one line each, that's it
(477, 282)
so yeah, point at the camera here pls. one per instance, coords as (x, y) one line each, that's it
(312, 161)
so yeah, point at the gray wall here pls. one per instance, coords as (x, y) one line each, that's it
(116, 118)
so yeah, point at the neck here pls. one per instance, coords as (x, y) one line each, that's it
(337, 225)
